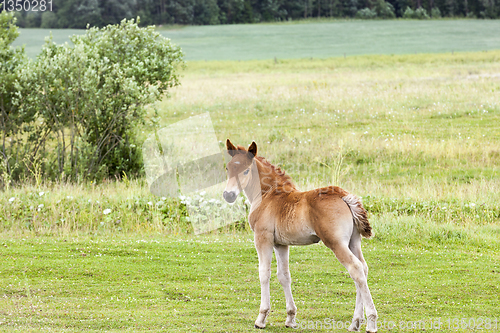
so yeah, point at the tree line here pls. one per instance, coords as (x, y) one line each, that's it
(99, 13)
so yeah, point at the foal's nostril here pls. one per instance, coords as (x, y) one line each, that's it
(229, 196)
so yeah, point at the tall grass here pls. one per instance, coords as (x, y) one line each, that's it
(416, 136)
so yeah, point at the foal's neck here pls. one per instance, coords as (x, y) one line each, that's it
(272, 179)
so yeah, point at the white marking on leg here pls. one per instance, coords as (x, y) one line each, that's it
(358, 317)
(357, 273)
(282, 253)
(265, 253)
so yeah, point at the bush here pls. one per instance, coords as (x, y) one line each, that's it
(409, 13)
(419, 13)
(435, 12)
(84, 101)
(366, 13)
(384, 9)
(11, 96)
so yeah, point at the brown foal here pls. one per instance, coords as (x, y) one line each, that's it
(281, 215)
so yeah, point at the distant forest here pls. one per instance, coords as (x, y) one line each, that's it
(79, 13)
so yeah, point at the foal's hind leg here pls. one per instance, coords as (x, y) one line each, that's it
(356, 270)
(264, 246)
(284, 278)
(355, 247)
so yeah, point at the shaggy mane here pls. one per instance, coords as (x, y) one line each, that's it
(283, 178)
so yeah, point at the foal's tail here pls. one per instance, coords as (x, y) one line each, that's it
(359, 215)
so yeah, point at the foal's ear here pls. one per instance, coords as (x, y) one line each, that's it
(253, 149)
(231, 149)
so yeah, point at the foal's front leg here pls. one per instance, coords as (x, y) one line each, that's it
(282, 252)
(264, 246)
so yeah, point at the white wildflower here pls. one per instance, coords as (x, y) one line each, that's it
(40, 206)
(12, 199)
(106, 211)
(41, 193)
(150, 203)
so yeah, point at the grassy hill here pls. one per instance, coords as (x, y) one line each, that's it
(313, 39)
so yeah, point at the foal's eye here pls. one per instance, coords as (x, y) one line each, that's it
(246, 172)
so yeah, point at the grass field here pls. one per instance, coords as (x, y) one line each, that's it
(416, 136)
(321, 39)
(210, 284)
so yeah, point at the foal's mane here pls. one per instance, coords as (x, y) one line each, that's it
(282, 178)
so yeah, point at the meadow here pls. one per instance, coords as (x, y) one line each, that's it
(416, 136)
(312, 38)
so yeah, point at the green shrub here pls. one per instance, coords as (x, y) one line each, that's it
(435, 12)
(384, 9)
(11, 96)
(420, 13)
(366, 13)
(409, 13)
(83, 102)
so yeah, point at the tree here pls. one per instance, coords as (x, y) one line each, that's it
(384, 9)
(113, 11)
(89, 97)
(49, 20)
(77, 14)
(206, 12)
(11, 96)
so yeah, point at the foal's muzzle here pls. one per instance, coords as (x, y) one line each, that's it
(229, 196)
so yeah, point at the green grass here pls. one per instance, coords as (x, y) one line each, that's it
(417, 126)
(323, 39)
(210, 283)
(414, 135)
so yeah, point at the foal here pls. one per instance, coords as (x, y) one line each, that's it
(281, 215)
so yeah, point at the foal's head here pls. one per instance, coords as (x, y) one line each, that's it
(238, 169)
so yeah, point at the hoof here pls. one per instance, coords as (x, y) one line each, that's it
(356, 324)
(260, 328)
(371, 324)
(291, 325)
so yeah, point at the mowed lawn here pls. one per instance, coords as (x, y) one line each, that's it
(320, 39)
(210, 284)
